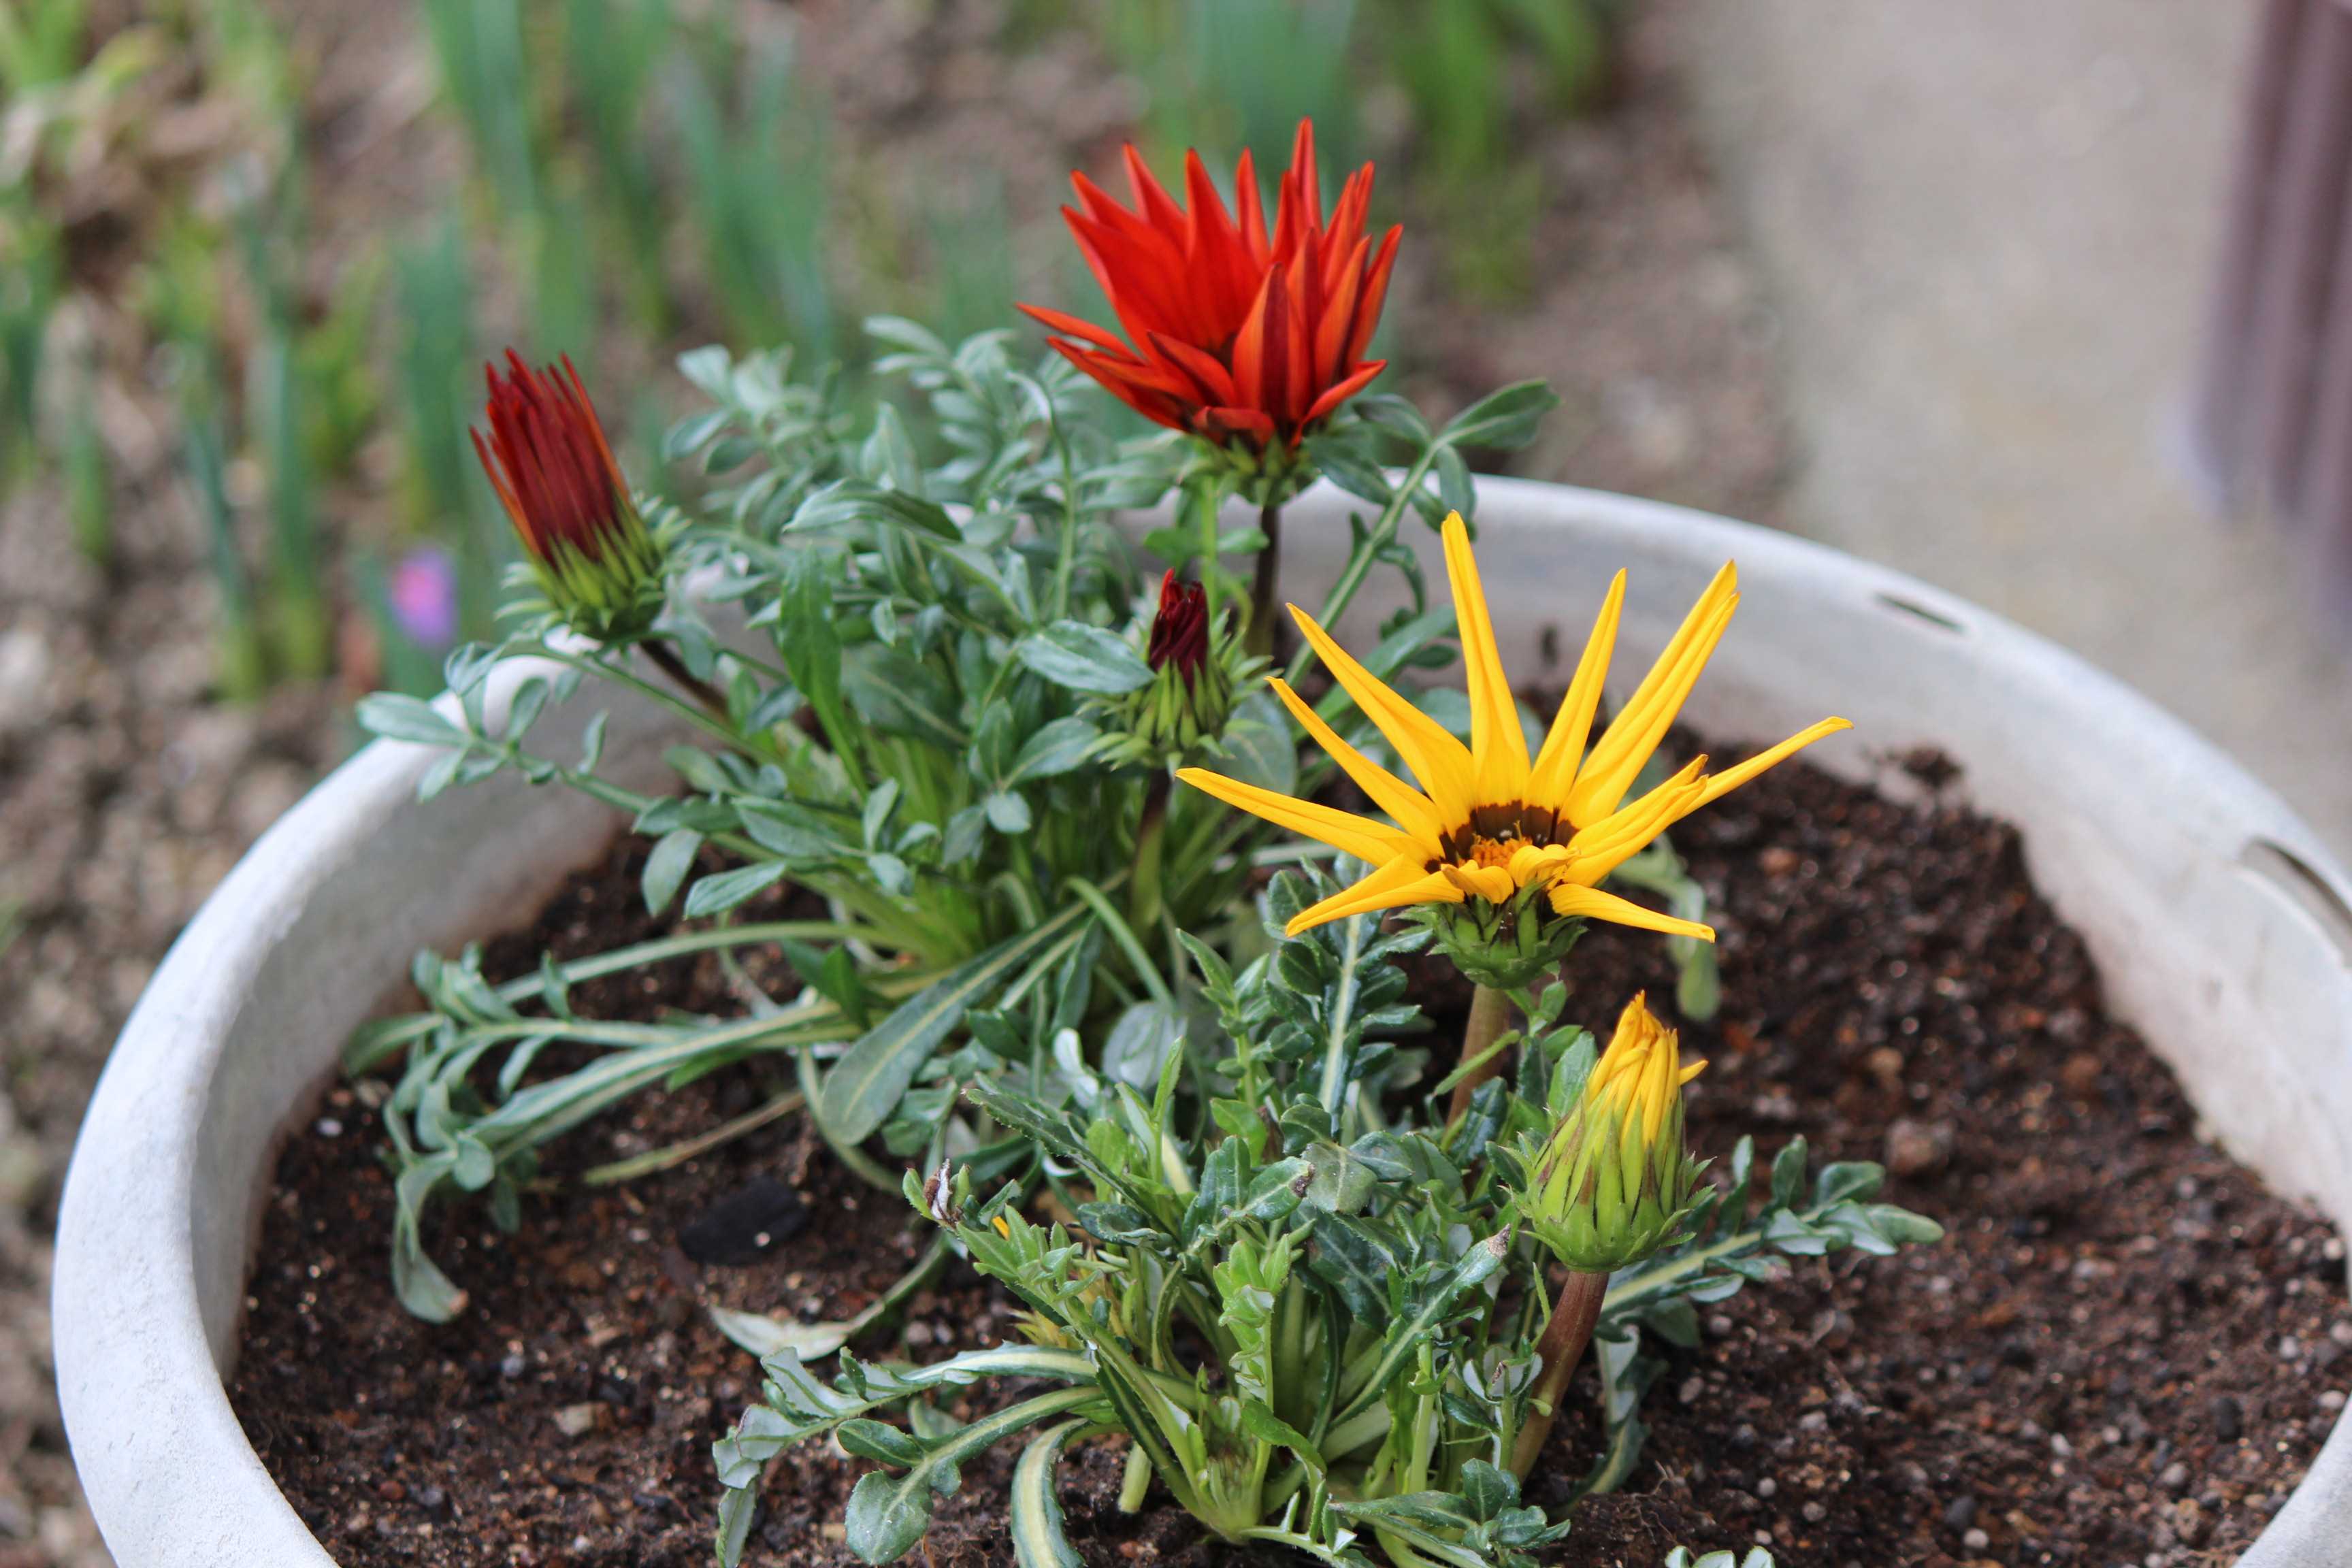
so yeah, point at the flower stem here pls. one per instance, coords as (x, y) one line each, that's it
(1266, 585)
(686, 680)
(1562, 1347)
(1143, 901)
(1490, 1013)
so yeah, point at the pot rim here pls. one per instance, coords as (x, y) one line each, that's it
(168, 1472)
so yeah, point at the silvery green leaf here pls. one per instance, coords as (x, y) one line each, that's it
(475, 1165)
(1054, 748)
(878, 807)
(1791, 1234)
(1847, 1179)
(670, 860)
(1007, 812)
(1674, 1322)
(1902, 1226)
(397, 718)
(1455, 486)
(1084, 659)
(1261, 744)
(863, 1086)
(1789, 1173)
(591, 742)
(724, 890)
(523, 712)
(1037, 1514)
(1506, 420)
(1140, 1043)
(888, 1515)
(966, 831)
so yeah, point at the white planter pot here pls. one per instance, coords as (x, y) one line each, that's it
(2221, 927)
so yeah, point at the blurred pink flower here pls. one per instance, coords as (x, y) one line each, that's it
(424, 595)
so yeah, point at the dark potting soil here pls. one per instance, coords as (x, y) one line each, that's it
(2125, 1351)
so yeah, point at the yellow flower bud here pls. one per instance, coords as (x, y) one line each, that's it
(1612, 1182)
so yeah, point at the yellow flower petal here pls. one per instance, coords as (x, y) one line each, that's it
(1491, 883)
(1563, 747)
(1597, 850)
(1412, 809)
(1615, 761)
(1723, 783)
(1529, 864)
(1498, 747)
(1393, 886)
(1352, 835)
(1440, 762)
(1591, 903)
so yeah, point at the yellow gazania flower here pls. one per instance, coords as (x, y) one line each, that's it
(1487, 822)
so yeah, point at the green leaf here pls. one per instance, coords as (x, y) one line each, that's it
(1084, 659)
(1260, 747)
(1488, 1488)
(1406, 1335)
(393, 717)
(1454, 486)
(1053, 750)
(1036, 1513)
(1505, 419)
(1847, 1179)
(1788, 1175)
(1007, 812)
(865, 1086)
(888, 1515)
(1140, 1042)
(723, 890)
(666, 867)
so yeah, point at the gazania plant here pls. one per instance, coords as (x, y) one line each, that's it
(1094, 910)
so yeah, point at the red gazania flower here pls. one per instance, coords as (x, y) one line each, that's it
(1232, 333)
(1179, 632)
(547, 458)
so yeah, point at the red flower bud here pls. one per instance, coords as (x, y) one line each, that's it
(547, 459)
(1179, 632)
(546, 456)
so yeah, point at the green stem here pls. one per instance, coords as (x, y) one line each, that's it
(693, 685)
(1360, 563)
(1143, 898)
(1490, 1013)
(1562, 1347)
(1265, 585)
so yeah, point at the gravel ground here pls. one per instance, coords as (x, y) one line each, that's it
(126, 792)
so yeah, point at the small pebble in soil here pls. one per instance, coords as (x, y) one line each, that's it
(1961, 1513)
(577, 1420)
(1918, 1148)
(1976, 1540)
(2229, 1421)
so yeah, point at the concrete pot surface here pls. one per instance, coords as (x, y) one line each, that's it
(2224, 931)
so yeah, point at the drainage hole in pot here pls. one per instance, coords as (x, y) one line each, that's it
(1920, 612)
(2302, 885)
